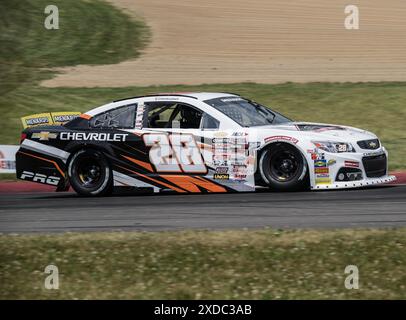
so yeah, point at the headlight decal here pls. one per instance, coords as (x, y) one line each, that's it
(334, 147)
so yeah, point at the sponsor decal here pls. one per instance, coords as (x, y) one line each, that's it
(331, 162)
(281, 138)
(63, 117)
(240, 172)
(233, 149)
(321, 170)
(323, 181)
(219, 176)
(93, 136)
(239, 141)
(239, 134)
(341, 147)
(239, 163)
(240, 176)
(351, 164)
(320, 163)
(239, 168)
(41, 178)
(220, 134)
(222, 170)
(140, 115)
(318, 156)
(232, 99)
(219, 142)
(220, 157)
(217, 162)
(222, 150)
(228, 141)
(37, 120)
(48, 118)
(44, 135)
(166, 98)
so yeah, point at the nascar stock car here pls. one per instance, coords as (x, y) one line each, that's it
(195, 142)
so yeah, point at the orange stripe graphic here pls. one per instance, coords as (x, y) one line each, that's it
(154, 180)
(143, 164)
(204, 146)
(85, 116)
(191, 183)
(47, 160)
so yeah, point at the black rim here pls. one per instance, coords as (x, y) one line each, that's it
(284, 165)
(89, 172)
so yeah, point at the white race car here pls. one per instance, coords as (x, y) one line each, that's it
(198, 142)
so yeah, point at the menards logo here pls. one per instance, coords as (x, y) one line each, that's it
(35, 121)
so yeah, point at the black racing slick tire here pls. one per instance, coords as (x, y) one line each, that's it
(90, 173)
(284, 168)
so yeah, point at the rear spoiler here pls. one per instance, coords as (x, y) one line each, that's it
(49, 118)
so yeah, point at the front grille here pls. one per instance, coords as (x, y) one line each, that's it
(349, 174)
(369, 144)
(375, 166)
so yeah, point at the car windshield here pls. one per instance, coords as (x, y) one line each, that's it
(247, 113)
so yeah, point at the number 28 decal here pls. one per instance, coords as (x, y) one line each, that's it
(174, 153)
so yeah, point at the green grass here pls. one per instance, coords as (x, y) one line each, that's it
(378, 107)
(90, 32)
(8, 177)
(265, 264)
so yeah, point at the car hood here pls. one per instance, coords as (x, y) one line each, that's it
(324, 131)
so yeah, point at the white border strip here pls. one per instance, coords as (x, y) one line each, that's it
(355, 184)
(124, 180)
(48, 150)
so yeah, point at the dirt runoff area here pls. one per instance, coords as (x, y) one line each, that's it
(265, 41)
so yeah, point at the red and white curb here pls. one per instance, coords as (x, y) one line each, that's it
(400, 177)
(24, 187)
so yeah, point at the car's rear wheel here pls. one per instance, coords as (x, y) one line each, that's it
(90, 173)
(283, 167)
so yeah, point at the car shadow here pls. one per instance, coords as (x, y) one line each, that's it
(131, 192)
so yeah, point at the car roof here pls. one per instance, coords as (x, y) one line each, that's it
(202, 96)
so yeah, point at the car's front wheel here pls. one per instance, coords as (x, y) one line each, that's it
(90, 173)
(283, 167)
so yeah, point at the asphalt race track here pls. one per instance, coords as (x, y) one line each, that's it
(56, 212)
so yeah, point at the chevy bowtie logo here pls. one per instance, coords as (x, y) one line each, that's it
(44, 135)
(372, 144)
